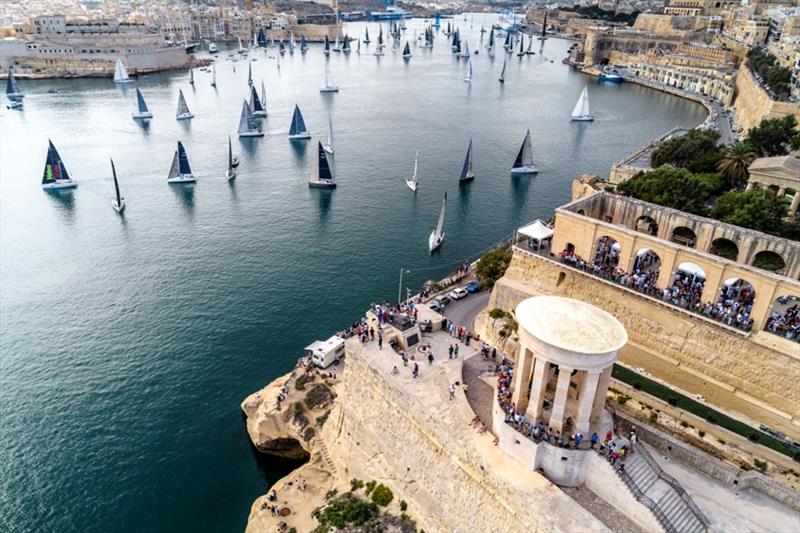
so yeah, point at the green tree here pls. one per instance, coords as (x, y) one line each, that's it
(492, 266)
(697, 148)
(758, 209)
(773, 136)
(735, 160)
(671, 187)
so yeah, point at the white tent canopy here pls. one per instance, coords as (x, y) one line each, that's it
(536, 230)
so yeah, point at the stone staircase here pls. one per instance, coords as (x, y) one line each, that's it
(662, 494)
(322, 449)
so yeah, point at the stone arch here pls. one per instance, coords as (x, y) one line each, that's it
(646, 224)
(769, 260)
(734, 303)
(687, 285)
(606, 252)
(684, 236)
(784, 317)
(645, 271)
(724, 248)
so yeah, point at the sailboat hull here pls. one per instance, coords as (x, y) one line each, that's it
(582, 119)
(118, 207)
(251, 134)
(123, 82)
(329, 89)
(412, 185)
(435, 241)
(529, 169)
(328, 148)
(322, 184)
(261, 114)
(15, 97)
(230, 174)
(300, 136)
(183, 178)
(466, 179)
(184, 116)
(60, 184)
(142, 116)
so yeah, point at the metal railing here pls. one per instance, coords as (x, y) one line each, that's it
(645, 500)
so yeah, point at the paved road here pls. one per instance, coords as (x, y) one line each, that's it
(464, 311)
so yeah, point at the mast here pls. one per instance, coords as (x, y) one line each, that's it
(416, 167)
(213, 75)
(250, 72)
(230, 154)
(116, 184)
(544, 25)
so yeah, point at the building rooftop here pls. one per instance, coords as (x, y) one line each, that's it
(786, 164)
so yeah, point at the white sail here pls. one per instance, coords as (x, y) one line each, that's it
(120, 73)
(468, 77)
(264, 97)
(466, 49)
(330, 86)
(174, 170)
(213, 75)
(581, 110)
(436, 237)
(412, 183)
(329, 146)
(183, 109)
(503, 72)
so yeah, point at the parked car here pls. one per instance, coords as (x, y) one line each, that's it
(436, 306)
(443, 300)
(458, 293)
(473, 287)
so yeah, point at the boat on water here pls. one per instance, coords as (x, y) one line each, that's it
(256, 107)
(14, 105)
(581, 111)
(183, 112)
(437, 235)
(414, 181)
(322, 175)
(262, 38)
(381, 45)
(303, 44)
(191, 76)
(298, 129)
(143, 112)
(231, 172)
(466, 171)
(543, 36)
(291, 43)
(407, 52)
(330, 86)
(118, 202)
(326, 48)
(490, 42)
(465, 53)
(241, 48)
(121, 73)
(264, 97)
(502, 78)
(610, 74)
(346, 44)
(529, 50)
(523, 164)
(12, 89)
(55, 173)
(180, 171)
(213, 75)
(248, 125)
(213, 48)
(366, 36)
(250, 73)
(468, 77)
(329, 145)
(521, 47)
(336, 46)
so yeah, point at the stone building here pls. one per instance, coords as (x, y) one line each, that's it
(781, 174)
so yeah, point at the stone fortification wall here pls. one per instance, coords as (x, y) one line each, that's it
(753, 103)
(755, 372)
(376, 431)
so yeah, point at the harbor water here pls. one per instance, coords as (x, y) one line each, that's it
(128, 342)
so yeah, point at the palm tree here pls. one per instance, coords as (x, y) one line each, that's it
(736, 158)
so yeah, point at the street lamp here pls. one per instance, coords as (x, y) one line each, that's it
(400, 285)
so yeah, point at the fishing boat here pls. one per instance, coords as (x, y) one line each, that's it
(413, 182)
(231, 172)
(55, 173)
(298, 129)
(524, 162)
(366, 36)
(326, 48)
(250, 73)
(437, 236)
(336, 46)
(468, 77)
(329, 146)
(183, 109)
(118, 202)
(12, 88)
(407, 52)
(143, 112)
(248, 125)
(121, 73)
(322, 175)
(213, 75)
(180, 171)
(581, 111)
(213, 48)
(346, 44)
(303, 44)
(330, 86)
(466, 170)
(256, 108)
(502, 77)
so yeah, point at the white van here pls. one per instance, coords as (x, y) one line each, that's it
(325, 353)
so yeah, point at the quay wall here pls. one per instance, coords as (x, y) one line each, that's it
(753, 371)
(753, 103)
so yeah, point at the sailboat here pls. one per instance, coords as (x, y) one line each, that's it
(213, 75)
(326, 49)
(143, 112)
(248, 125)
(412, 183)
(180, 171)
(468, 77)
(291, 43)
(241, 48)
(407, 52)
(507, 44)
(183, 109)
(358, 47)
(524, 162)
(529, 50)
(543, 36)
(118, 202)
(329, 146)
(366, 35)
(322, 175)
(436, 237)
(298, 128)
(303, 44)
(581, 111)
(466, 170)
(465, 53)
(264, 98)
(250, 73)
(379, 48)
(55, 173)
(231, 172)
(256, 108)
(521, 46)
(262, 38)
(281, 47)
(502, 77)
(191, 76)
(12, 88)
(336, 46)
(121, 73)
(346, 44)
(330, 86)
(490, 44)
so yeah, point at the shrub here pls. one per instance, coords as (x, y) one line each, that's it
(355, 484)
(403, 506)
(319, 395)
(721, 441)
(744, 466)
(322, 419)
(671, 187)
(637, 385)
(753, 437)
(370, 486)
(653, 417)
(761, 465)
(492, 266)
(382, 495)
(684, 424)
(300, 382)
(497, 313)
(701, 433)
(298, 407)
(623, 399)
(697, 151)
(309, 433)
(345, 510)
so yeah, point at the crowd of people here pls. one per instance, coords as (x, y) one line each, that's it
(785, 323)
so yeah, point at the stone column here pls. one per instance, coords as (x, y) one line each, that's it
(586, 400)
(538, 387)
(522, 371)
(750, 186)
(781, 192)
(600, 394)
(795, 204)
(560, 399)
